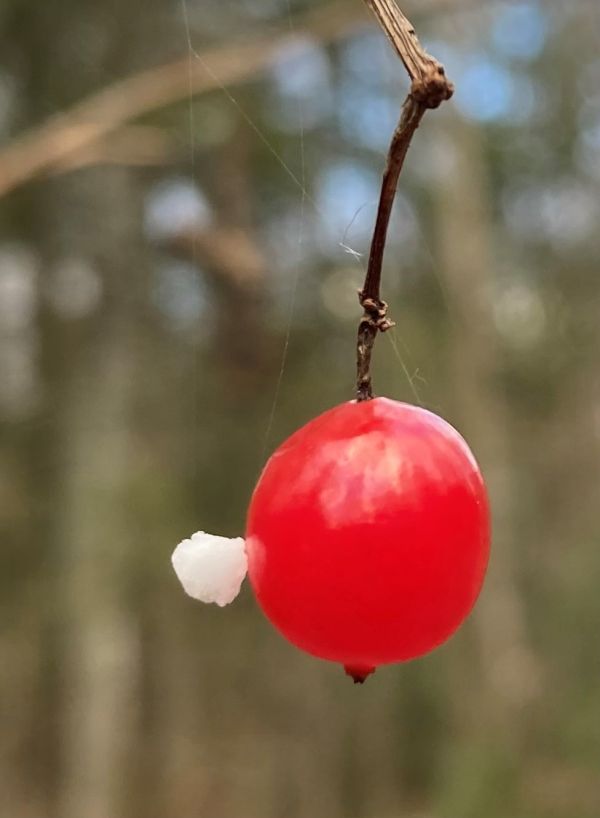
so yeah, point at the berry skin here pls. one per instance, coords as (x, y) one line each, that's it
(368, 534)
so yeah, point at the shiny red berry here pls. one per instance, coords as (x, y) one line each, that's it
(368, 534)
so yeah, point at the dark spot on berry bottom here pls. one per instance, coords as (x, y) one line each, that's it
(358, 673)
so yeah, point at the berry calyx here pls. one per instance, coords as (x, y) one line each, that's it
(359, 675)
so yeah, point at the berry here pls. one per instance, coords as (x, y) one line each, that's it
(368, 534)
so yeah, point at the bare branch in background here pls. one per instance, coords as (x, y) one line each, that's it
(50, 145)
(230, 251)
(429, 88)
(142, 145)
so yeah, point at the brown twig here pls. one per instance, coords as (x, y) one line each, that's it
(429, 88)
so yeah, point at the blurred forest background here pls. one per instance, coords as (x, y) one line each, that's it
(158, 260)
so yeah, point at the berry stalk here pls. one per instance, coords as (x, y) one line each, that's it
(429, 88)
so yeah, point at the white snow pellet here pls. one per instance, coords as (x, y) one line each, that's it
(211, 568)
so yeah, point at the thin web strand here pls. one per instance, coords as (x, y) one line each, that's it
(294, 290)
(305, 197)
(252, 124)
(191, 136)
(410, 378)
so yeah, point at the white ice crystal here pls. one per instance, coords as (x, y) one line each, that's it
(211, 568)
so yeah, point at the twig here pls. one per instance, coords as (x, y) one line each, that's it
(429, 88)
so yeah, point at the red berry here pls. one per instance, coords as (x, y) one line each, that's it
(368, 534)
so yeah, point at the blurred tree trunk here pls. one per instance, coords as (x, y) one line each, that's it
(101, 650)
(467, 263)
(97, 454)
(89, 443)
(224, 404)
